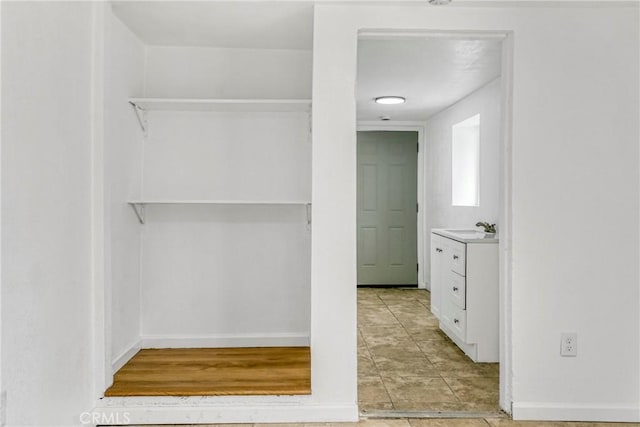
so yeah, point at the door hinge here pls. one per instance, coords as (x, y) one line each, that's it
(418, 268)
(417, 207)
(418, 147)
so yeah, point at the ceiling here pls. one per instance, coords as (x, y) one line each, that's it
(230, 24)
(431, 73)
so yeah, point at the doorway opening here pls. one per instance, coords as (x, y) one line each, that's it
(419, 345)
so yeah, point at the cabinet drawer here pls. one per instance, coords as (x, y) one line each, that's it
(456, 319)
(458, 252)
(457, 289)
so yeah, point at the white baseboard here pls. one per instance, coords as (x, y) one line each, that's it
(548, 411)
(126, 355)
(231, 412)
(226, 340)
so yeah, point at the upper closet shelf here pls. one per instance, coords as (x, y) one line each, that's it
(223, 105)
(138, 205)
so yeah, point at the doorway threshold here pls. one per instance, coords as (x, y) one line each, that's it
(373, 414)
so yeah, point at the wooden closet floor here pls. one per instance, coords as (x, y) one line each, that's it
(215, 372)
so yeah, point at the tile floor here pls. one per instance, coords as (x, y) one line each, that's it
(406, 363)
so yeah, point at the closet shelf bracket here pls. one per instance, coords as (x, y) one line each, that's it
(308, 213)
(138, 208)
(140, 114)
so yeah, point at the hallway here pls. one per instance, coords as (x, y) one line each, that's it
(406, 363)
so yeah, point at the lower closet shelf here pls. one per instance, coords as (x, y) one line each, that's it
(215, 372)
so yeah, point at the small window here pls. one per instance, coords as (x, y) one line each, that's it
(465, 162)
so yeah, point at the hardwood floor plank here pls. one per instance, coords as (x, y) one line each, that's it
(215, 372)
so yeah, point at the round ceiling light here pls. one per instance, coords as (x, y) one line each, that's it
(390, 100)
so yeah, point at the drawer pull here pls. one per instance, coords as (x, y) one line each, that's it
(456, 257)
(455, 289)
(456, 321)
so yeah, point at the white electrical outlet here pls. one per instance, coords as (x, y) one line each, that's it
(569, 345)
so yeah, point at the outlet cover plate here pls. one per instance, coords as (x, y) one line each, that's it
(568, 344)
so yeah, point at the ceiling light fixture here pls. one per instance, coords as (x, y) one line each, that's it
(439, 2)
(390, 100)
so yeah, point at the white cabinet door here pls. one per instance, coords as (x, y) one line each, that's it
(438, 269)
(455, 285)
(457, 256)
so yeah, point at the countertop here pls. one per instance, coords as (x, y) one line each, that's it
(465, 235)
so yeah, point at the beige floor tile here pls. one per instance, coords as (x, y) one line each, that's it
(372, 389)
(404, 306)
(390, 340)
(418, 322)
(366, 299)
(397, 367)
(451, 422)
(475, 389)
(269, 425)
(408, 405)
(400, 341)
(375, 406)
(369, 331)
(419, 389)
(393, 348)
(384, 423)
(397, 297)
(426, 334)
(468, 369)
(443, 352)
(371, 311)
(366, 367)
(377, 318)
(426, 301)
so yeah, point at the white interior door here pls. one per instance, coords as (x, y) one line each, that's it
(387, 202)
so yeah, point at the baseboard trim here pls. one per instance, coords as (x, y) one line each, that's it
(228, 414)
(226, 340)
(126, 355)
(436, 312)
(549, 411)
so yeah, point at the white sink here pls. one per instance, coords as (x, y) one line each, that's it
(468, 234)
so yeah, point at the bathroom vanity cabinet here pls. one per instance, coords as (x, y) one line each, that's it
(464, 290)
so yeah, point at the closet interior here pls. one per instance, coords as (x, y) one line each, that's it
(207, 183)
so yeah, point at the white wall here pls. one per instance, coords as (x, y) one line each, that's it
(202, 72)
(123, 78)
(440, 213)
(226, 275)
(575, 151)
(46, 212)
